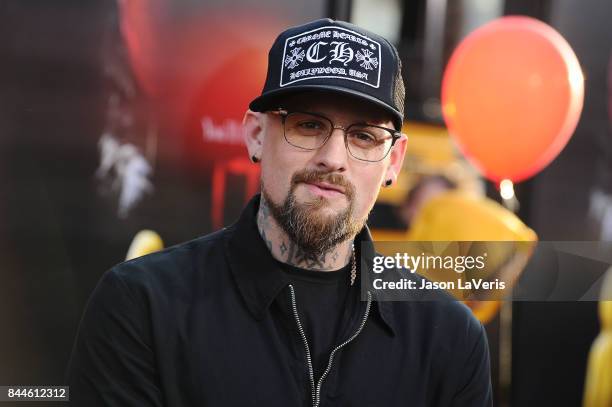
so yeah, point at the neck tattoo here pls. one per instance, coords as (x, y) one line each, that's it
(286, 251)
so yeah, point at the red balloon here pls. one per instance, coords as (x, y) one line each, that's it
(512, 95)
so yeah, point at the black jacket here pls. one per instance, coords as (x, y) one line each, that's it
(211, 323)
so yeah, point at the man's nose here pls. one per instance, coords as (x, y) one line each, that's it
(333, 156)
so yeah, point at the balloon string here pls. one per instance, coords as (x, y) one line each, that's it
(506, 191)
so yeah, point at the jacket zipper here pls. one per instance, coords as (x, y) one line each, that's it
(316, 390)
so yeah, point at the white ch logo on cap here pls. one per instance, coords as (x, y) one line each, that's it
(342, 52)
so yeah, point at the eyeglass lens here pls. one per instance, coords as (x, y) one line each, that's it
(364, 142)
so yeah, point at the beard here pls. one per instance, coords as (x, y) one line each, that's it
(313, 231)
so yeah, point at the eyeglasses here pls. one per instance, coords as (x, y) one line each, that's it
(310, 131)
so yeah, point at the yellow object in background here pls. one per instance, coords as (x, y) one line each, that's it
(431, 151)
(145, 242)
(598, 384)
(457, 216)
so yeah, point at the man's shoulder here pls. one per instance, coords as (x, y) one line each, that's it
(178, 264)
(439, 312)
(444, 326)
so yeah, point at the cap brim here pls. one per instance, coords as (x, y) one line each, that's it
(270, 100)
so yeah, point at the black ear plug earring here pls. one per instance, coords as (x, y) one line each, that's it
(388, 182)
(255, 159)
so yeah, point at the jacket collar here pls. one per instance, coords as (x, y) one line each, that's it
(257, 274)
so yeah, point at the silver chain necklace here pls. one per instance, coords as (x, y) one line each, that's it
(354, 266)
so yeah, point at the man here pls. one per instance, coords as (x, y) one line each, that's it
(268, 312)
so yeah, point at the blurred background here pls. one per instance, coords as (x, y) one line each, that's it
(123, 115)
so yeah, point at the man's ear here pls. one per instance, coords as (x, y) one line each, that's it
(253, 133)
(397, 154)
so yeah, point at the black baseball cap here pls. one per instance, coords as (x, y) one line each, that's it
(332, 55)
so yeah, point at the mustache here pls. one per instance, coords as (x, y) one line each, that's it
(310, 176)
